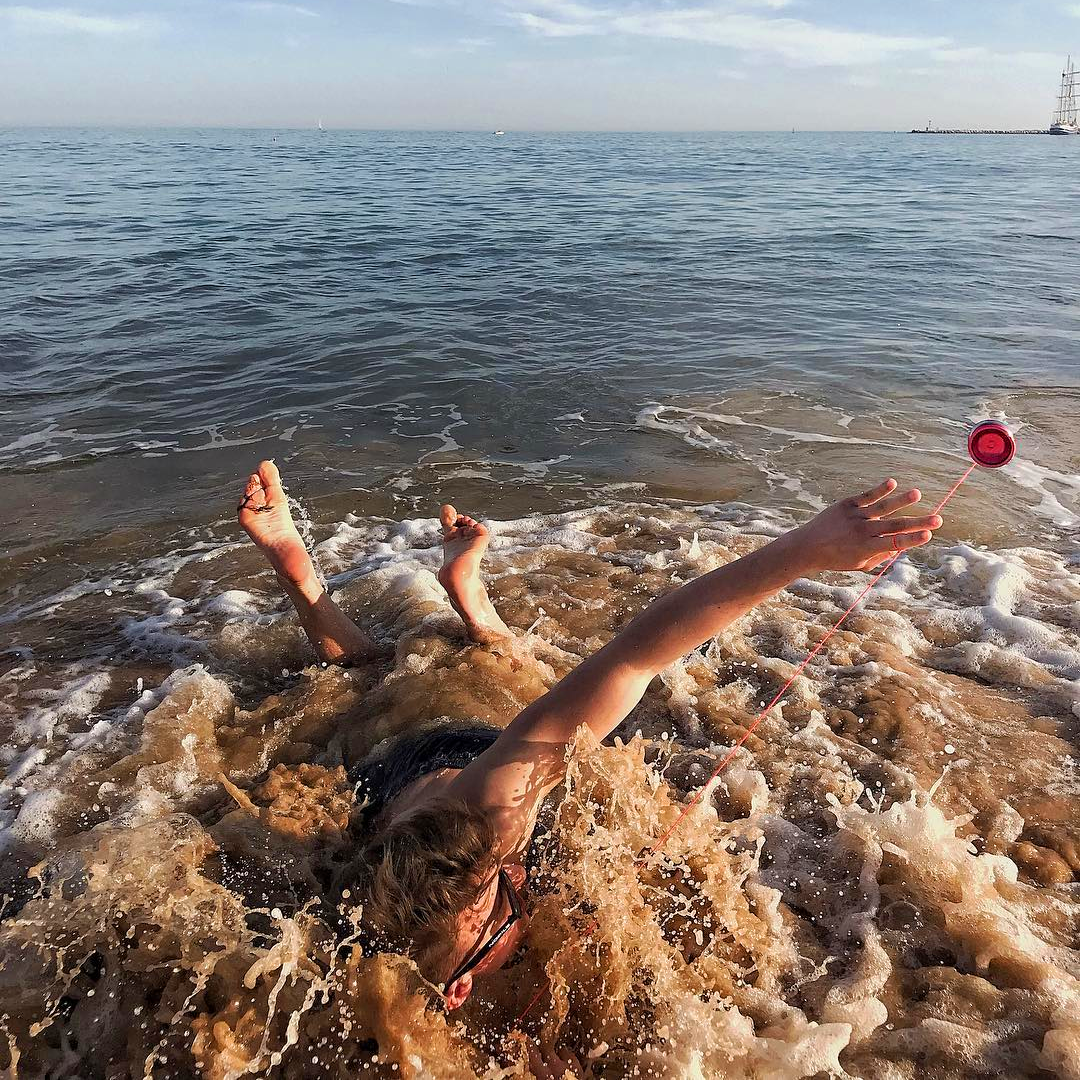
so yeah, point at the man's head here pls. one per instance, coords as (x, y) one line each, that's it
(433, 891)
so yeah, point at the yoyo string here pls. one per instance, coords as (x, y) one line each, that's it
(725, 761)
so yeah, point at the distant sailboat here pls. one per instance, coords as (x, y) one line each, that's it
(1064, 119)
(321, 128)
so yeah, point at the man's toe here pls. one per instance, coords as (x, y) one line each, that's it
(254, 496)
(271, 479)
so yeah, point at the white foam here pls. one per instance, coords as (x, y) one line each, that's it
(696, 426)
(233, 604)
(36, 819)
(74, 700)
(652, 417)
(1039, 478)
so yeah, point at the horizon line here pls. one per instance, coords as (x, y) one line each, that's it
(453, 130)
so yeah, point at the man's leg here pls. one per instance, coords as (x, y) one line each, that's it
(464, 543)
(264, 515)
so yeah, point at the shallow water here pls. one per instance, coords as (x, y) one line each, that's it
(641, 356)
(391, 312)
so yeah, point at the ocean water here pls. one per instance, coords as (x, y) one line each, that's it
(638, 356)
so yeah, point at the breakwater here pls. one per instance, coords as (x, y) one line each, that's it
(979, 131)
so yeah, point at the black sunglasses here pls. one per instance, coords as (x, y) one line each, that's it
(478, 956)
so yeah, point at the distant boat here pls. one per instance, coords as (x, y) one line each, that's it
(498, 133)
(320, 127)
(1064, 118)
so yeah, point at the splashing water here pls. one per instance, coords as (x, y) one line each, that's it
(306, 528)
(839, 902)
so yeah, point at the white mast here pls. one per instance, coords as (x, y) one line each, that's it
(1063, 121)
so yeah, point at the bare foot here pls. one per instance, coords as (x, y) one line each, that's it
(464, 542)
(264, 515)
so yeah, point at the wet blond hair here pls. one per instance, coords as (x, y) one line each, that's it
(419, 873)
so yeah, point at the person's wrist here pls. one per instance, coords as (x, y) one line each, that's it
(797, 552)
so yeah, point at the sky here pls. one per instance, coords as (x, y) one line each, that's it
(536, 64)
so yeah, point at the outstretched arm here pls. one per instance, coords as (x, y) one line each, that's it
(264, 515)
(512, 777)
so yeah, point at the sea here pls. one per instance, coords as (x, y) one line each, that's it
(636, 357)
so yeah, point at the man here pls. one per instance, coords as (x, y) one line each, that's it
(453, 807)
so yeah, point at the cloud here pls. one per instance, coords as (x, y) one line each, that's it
(66, 21)
(268, 7)
(540, 24)
(569, 10)
(1072, 9)
(742, 30)
(758, 29)
(793, 39)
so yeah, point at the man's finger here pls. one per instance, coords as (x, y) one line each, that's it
(899, 501)
(867, 498)
(894, 525)
(903, 541)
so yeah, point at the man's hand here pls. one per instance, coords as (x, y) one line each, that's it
(861, 532)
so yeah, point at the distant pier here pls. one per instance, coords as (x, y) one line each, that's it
(979, 131)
